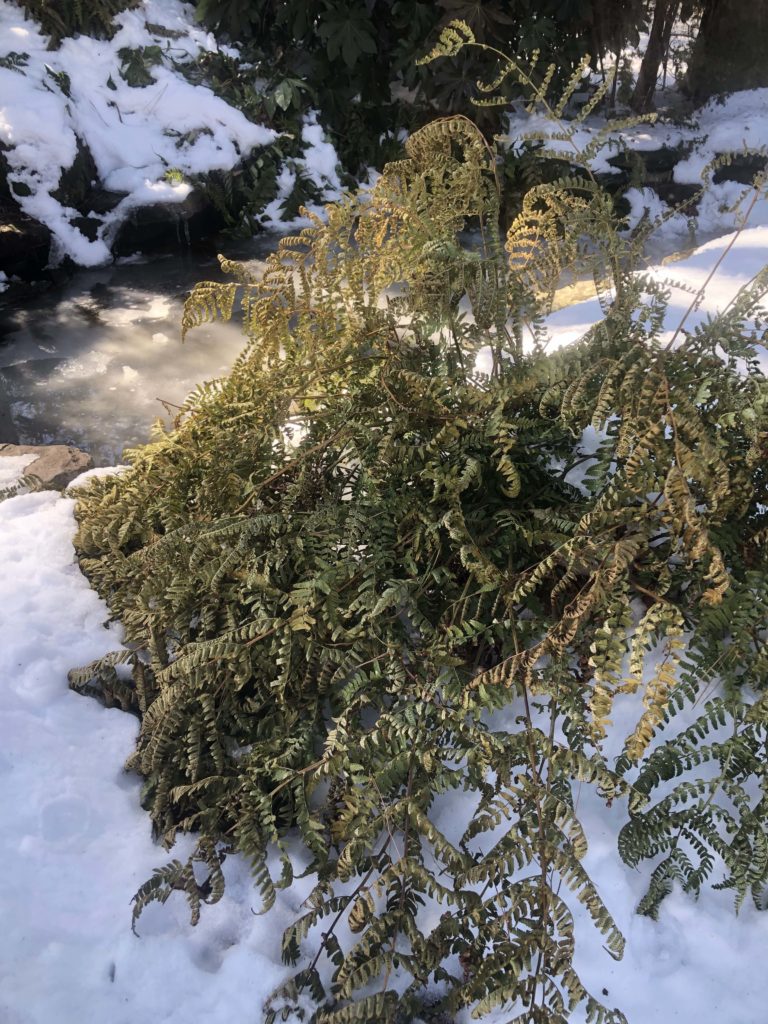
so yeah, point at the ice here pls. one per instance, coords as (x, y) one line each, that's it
(62, 361)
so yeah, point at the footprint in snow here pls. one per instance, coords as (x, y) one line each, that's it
(67, 818)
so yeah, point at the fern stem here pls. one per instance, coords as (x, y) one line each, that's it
(543, 866)
(361, 885)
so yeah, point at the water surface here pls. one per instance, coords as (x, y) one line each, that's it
(91, 361)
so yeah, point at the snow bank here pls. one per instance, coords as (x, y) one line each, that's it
(643, 137)
(75, 842)
(12, 469)
(748, 254)
(738, 122)
(318, 165)
(135, 134)
(683, 278)
(644, 202)
(720, 127)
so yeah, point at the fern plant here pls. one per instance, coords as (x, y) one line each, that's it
(356, 582)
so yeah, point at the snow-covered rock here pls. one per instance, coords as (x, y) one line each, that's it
(54, 103)
(677, 161)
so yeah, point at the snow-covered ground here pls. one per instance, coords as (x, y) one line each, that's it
(76, 844)
(683, 278)
(53, 100)
(733, 125)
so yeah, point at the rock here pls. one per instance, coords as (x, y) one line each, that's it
(56, 465)
(743, 168)
(24, 243)
(167, 226)
(88, 226)
(676, 193)
(653, 164)
(103, 200)
(77, 181)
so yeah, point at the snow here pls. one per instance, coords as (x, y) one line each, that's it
(76, 94)
(738, 122)
(644, 202)
(646, 136)
(683, 277)
(135, 134)
(319, 164)
(76, 844)
(748, 253)
(720, 127)
(12, 469)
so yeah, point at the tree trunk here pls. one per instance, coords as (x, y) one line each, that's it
(730, 50)
(664, 14)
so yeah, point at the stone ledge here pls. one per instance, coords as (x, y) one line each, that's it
(55, 465)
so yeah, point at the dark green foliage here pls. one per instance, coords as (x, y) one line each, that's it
(136, 64)
(356, 581)
(14, 61)
(61, 79)
(63, 18)
(251, 84)
(359, 59)
(341, 60)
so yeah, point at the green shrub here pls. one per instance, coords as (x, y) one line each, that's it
(355, 578)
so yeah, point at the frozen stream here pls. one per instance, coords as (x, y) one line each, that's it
(89, 362)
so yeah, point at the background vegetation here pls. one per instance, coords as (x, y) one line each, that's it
(356, 65)
(62, 18)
